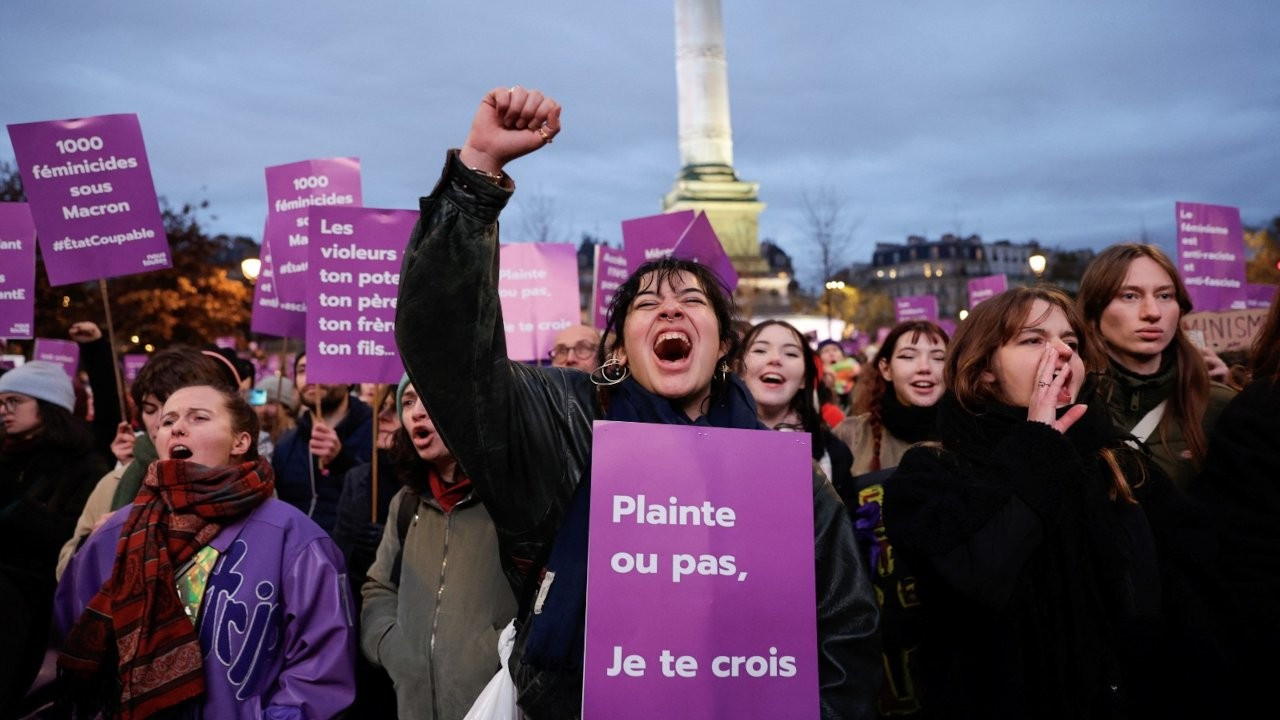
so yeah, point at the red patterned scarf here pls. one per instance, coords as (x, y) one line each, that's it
(449, 495)
(136, 619)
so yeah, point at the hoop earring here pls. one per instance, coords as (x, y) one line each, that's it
(612, 372)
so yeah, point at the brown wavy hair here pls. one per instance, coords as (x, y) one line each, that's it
(872, 386)
(998, 321)
(1101, 283)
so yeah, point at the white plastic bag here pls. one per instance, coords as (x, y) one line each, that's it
(498, 699)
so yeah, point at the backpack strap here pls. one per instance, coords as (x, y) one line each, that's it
(404, 518)
(1146, 425)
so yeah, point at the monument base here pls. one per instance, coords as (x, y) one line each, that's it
(732, 206)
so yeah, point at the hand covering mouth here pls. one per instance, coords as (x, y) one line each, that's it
(180, 452)
(672, 346)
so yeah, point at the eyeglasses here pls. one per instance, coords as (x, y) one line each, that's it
(11, 403)
(583, 351)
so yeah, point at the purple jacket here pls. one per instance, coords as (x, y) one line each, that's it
(276, 622)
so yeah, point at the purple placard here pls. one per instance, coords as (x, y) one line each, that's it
(17, 271)
(917, 307)
(983, 288)
(133, 363)
(610, 272)
(739, 583)
(352, 278)
(700, 244)
(1259, 295)
(1211, 256)
(949, 326)
(538, 289)
(64, 352)
(91, 195)
(271, 315)
(653, 237)
(226, 341)
(292, 190)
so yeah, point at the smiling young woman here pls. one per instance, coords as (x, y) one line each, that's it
(524, 433)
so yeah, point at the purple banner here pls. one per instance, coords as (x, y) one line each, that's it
(1211, 256)
(133, 363)
(700, 588)
(610, 273)
(292, 190)
(538, 289)
(1259, 296)
(91, 195)
(653, 237)
(918, 307)
(64, 352)
(352, 278)
(700, 244)
(271, 315)
(984, 288)
(17, 271)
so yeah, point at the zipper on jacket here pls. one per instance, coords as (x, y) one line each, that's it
(435, 616)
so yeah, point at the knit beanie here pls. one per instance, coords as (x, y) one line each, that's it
(42, 380)
(404, 383)
(280, 389)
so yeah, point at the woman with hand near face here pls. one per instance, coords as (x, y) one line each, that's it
(780, 370)
(1035, 566)
(207, 596)
(1157, 386)
(524, 433)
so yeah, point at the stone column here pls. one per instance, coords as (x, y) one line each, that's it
(707, 181)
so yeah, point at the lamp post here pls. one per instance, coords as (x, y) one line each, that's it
(250, 267)
(832, 285)
(1038, 262)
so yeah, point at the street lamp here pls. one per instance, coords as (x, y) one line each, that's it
(832, 285)
(963, 314)
(250, 267)
(1038, 262)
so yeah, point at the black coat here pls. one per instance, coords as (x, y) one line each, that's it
(523, 434)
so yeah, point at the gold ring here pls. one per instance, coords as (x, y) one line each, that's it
(1043, 384)
(542, 130)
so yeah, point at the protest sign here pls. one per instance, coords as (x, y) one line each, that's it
(271, 315)
(64, 352)
(653, 237)
(984, 288)
(133, 363)
(292, 190)
(610, 273)
(1211, 256)
(1259, 295)
(700, 244)
(1224, 331)
(353, 275)
(91, 195)
(17, 271)
(917, 307)
(700, 587)
(538, 289)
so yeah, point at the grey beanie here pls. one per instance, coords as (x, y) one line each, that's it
(42, 380)
(280, 389)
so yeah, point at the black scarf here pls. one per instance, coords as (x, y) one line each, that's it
(910, 423)
(732, 407)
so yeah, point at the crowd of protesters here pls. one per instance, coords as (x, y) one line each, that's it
(1061, 511)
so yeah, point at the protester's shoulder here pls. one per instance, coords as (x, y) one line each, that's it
(1220, 395)
(571, 389)
(851, 427)
(286, 518)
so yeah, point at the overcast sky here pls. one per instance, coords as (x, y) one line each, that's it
(1075, 123)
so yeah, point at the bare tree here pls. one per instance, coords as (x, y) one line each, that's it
(830, 230)
(540, 219)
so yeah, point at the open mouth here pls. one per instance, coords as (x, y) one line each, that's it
(772, 379)
(420, 433)
(180, 452)
(924, 385)
(672, 346)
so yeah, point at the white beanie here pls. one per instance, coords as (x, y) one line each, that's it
(42, 380)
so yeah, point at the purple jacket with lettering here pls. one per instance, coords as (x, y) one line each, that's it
(275, 624)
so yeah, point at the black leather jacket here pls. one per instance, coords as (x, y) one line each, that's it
(523, 434)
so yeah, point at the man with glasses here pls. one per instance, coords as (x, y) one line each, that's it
(576, 348)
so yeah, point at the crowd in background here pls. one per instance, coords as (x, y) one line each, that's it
(1067, 509)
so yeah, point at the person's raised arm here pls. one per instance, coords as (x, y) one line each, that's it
(510, 123)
